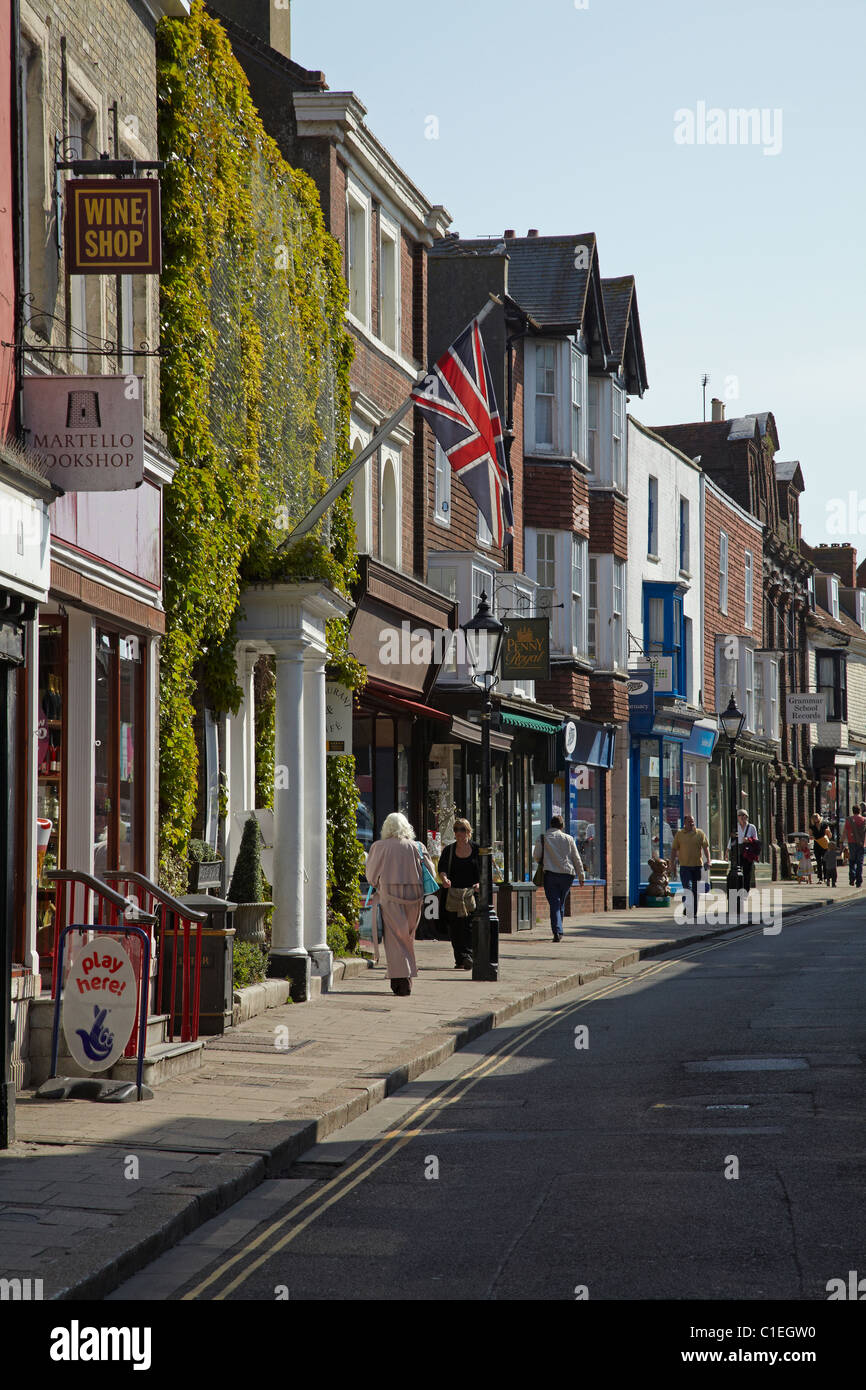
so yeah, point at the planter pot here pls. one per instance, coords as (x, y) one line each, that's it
(249, 922)
(204, 875)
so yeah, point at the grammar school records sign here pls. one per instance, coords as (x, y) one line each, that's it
(99, 1003)
(113, 227)
(88, 431)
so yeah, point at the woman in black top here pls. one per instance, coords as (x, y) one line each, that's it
(820, 827)
(460, 872)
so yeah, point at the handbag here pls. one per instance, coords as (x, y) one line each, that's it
(538, 876)
(428, 882)
(751, 850)
(460, 901)
(823, 842)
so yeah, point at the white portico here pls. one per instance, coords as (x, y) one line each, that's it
(288, 621)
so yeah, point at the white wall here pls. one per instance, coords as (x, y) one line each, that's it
(651, 456)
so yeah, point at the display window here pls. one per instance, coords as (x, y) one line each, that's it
(50, 772)
(119, 737)
(586, 817)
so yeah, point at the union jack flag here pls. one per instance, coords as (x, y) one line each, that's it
(458, 401)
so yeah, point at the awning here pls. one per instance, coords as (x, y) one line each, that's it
(465, 731)
(594, 747)
(374, 693)
(526, 721)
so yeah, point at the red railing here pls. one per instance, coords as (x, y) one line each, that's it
(81, 899)
(175, 922)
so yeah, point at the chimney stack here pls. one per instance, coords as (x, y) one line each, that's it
(840, 559)
(718, 408)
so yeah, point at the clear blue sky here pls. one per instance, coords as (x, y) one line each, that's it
(749, 265)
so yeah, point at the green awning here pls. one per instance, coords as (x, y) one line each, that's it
(525, 721)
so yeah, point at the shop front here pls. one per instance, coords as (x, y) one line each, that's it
(836, 773)
(24, 578)
(670, 778)
(399, 630)
(91, 683)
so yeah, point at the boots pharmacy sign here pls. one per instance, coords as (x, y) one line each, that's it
(113, 227)
(88, 431)
(99, 1003)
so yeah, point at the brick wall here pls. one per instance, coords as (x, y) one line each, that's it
(111, 55)
(742, 536)
(838, 559)
(556, 498)
(608, 523)
(567, 688)
(609, 698)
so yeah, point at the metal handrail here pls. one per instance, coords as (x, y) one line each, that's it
(99, 887)
(166, 899)
(172, 917)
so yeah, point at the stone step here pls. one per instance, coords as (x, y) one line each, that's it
(161, 1063)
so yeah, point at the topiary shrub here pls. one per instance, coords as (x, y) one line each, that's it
(246, 884)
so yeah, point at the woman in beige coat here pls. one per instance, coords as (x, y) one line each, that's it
(394, 871)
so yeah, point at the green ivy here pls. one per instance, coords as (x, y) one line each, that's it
(255, 405)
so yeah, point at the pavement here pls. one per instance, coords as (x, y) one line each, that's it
(91, 1193)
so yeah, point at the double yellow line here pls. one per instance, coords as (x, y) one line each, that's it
(394, 1140)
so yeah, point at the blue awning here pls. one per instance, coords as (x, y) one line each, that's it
(595, 745)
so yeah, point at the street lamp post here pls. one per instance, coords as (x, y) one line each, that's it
(732, 722)
(484, 635)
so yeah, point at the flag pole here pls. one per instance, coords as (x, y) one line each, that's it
(342, 482)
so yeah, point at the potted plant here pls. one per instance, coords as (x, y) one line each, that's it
(245, 888)
(204, 867)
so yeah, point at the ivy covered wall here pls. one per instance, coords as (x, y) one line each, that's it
(255, 404)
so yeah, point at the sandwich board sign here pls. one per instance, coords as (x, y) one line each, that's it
(99, 1003)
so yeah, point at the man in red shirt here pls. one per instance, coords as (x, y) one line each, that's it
(855, 834)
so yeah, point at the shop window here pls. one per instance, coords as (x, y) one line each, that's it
(586, 817)
(119, 732)
(362, 743)
(50, 772)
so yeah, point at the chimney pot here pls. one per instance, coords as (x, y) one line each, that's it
(509, 233)
(718, 408)
(533, 231)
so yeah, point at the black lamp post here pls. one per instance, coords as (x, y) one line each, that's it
(484, 635)
(732, 723)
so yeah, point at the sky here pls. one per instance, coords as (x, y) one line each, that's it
(587, 115)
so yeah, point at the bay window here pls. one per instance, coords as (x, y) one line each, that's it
(618, 398)
(617, 624)
(545, 394)
(578, 594)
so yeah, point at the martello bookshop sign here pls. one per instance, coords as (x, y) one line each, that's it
(113, 227)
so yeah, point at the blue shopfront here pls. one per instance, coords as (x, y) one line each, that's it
(579, 790)
(671, 748)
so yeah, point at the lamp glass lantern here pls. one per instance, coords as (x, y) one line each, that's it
(484, 635)
(732, 721)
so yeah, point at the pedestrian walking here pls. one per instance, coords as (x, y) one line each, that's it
(830, 857)
(692, 848)
(747, 849)
(460, 876)
(557, 856)
(820, 837)
(855, 834)
(394, 870)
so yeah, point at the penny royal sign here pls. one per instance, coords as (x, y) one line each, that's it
(99, 1003)
(88, 431)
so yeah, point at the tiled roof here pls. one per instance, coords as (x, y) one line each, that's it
(542, 275)
(617, 304)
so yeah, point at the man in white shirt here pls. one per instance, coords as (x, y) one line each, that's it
(559, 855)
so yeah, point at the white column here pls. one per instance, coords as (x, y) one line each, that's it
(287, 929)
(315, 817)
(240, 754)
